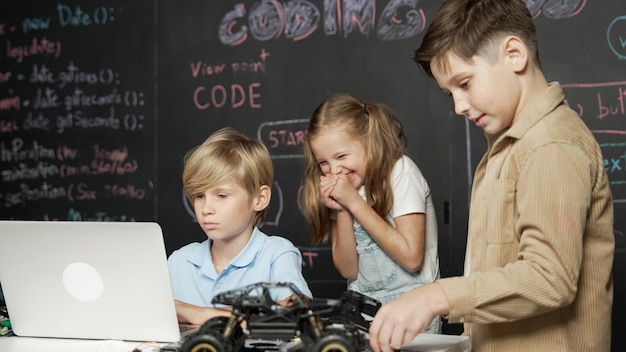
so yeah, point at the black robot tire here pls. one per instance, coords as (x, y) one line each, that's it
(333, 343)
(204, 343)
(215, 324)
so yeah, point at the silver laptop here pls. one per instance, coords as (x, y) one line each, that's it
(89, 280)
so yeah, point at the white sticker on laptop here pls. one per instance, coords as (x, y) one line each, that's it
(83, 282)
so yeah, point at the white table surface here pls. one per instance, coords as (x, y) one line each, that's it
(36, 344)
(423, 342)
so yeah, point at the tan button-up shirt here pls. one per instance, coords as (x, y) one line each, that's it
(540, 238)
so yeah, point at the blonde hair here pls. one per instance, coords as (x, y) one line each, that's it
(379, 131)
(228, 155)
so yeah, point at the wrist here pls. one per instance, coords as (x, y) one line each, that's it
(439, 300)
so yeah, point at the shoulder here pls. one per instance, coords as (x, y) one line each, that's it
(189, 251)
(406, 164)
(550, 124)
(279, 243)
(271, 243)
(190, 247)
(406, 170)
(561, 127)
(551, 120)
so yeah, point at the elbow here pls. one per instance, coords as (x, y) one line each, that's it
(412, 268)
(565, 294)
(346, 271)
(412, 264)
(349, 275)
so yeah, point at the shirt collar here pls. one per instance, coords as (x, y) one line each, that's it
(201, 255)
(250, 251)
(549, 100)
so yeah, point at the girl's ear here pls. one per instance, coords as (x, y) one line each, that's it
(263, 197)
(516, 53)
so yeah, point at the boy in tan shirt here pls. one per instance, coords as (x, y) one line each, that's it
(540, 237)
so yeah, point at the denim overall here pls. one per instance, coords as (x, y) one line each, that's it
(380, 277)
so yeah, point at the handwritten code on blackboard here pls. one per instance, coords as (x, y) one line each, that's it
(77, 119)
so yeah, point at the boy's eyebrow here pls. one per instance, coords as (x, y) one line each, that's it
(220, 188)
(456, 77)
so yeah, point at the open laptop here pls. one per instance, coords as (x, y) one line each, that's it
(88, 280)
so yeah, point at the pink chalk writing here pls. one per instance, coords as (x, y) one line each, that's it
(307, 258)
(284, 138)
(37, 47)
(299, 19)
(233, 96)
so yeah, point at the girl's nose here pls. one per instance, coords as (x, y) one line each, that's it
(335, 169)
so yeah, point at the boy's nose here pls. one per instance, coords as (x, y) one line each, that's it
(207, 208)
(461, 107)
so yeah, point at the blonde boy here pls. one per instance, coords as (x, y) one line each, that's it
(228, 180)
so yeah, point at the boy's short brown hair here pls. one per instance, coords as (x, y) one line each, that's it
(470, 27)
(228, 155)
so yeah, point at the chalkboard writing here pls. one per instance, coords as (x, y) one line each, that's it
(100, 101)
(75, 115)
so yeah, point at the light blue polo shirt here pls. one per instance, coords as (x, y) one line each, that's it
(264, 259)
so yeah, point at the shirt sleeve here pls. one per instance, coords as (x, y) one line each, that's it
(552, 197)
(410, 188)
(287, 267)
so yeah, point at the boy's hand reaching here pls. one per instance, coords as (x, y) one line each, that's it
(398, 322)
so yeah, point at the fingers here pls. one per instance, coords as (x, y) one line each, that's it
(408, 337)
(388, 337)
(327, 186)
(342, 190)
(374, 333)
(381, 332)
(327, 183)
(396, 324)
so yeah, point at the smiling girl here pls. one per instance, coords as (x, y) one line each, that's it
(370, 199)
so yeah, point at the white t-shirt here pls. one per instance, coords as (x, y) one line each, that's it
(411, 194)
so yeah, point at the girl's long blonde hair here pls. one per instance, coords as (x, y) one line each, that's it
(379, 131)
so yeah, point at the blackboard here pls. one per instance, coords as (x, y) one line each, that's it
(99, 101)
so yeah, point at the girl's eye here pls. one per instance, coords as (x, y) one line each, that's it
(222, 196)
(464, 84)
(198, 196)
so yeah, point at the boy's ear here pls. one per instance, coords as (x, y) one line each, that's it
(516, 53)
(263, 197)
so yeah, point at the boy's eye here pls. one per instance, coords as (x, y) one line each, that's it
(222, 196)
(464, 84)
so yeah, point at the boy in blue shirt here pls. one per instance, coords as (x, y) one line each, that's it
(228, 180)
